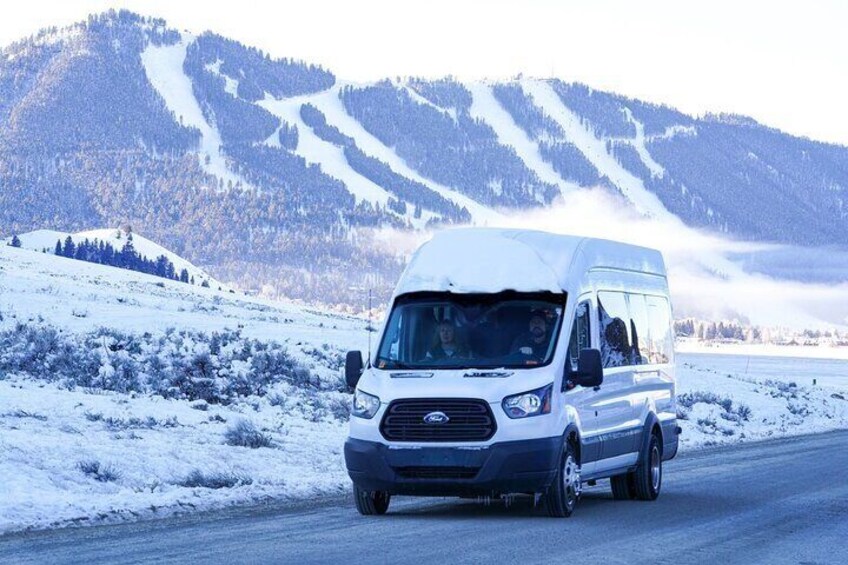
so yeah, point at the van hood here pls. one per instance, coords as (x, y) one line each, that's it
(489, 385)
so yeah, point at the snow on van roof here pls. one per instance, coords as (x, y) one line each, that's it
(486, 260)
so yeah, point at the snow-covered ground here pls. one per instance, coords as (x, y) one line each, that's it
(727, 398)
(749, 350)
(82, 455)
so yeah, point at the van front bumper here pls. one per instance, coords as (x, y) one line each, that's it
(526, 466)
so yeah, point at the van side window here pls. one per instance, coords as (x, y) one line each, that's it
(639, 330)
(580, 334)
(659, 318)
(615, 329)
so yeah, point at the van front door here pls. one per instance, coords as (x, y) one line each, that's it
(580, 398)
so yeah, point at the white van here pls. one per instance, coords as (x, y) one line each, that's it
(516, 361)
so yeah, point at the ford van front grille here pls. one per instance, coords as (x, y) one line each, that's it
(440, 419)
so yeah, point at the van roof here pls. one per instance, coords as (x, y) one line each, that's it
(486, 260)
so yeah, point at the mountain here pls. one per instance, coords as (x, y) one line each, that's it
(273, 172)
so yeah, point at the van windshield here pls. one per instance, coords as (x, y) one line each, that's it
(449, 331)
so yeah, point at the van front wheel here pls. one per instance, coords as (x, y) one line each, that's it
(371, 502)
(562, 496)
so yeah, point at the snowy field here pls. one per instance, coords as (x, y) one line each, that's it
(76, 454)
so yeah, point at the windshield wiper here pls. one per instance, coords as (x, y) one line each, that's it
(393, 365)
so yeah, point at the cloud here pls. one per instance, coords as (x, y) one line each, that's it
(711, 276)
(704, 278)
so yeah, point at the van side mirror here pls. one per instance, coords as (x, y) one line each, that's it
(590, 370)
(353, 368)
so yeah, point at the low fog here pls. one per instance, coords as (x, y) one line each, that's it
(711, 276)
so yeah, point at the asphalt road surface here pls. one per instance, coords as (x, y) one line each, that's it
(783, 501)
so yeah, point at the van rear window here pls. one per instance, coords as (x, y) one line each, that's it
(635, 329)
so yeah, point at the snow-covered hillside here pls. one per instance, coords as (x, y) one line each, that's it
(124, 396)
(80, 297)
(44, 239)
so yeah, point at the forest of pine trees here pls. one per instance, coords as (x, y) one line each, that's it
(126, 258)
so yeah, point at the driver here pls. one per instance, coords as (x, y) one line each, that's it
(445, 344)
(535, 342)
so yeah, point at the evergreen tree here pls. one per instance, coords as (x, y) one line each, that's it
(68, 250)
(161, 266)
(58, 250)
(128, 255)
(16, 242)
(184, 275)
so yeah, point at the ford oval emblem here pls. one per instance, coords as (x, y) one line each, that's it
(436, 418)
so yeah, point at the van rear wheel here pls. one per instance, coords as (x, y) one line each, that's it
(648, 475)
(371, 502)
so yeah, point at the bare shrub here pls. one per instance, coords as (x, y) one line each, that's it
(99, 472)
(244, 434)
(199, 479)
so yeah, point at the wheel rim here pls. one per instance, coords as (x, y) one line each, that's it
(656, 469)
(571, 481)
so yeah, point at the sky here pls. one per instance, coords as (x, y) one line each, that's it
(783, 63)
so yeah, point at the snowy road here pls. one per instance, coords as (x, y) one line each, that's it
(783, 501)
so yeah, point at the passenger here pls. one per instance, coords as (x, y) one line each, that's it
(536, 341)
(446, 345)
(615, 348)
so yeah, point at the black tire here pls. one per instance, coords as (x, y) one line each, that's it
(648, 475)
(623, 486)
(370, 503)
(562, 496)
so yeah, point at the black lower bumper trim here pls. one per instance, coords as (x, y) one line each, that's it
(507, 467)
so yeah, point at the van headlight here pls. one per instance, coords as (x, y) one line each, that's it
(530, 403)
(364, 405)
